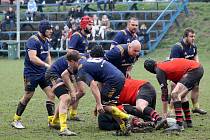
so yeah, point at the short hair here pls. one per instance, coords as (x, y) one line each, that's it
(132, 18)
(97, 51)
(187, 31)
(150, 65)
(73, 55)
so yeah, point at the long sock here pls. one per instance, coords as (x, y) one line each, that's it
(118, 113)
(50, 108)
(178, 112)
(186, 110)
(151, 112)
(20, 109)
(122, 126)
(195, 105)
(72, 113)
(63, 121)
(55, 120)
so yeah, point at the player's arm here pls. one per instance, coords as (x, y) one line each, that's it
(73, 42)
(196, 58)
(97, 96)
(36, 60)
(88, 79)
(66, 75)
(162, 79)
(117, 39)
(49, 59)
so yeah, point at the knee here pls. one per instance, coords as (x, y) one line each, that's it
(174, 96)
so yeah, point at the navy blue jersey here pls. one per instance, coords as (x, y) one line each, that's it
(182, 50)
(100, 70)
(120, 58)
(124, 37)
(78, 42)
(35, 42)
(59, 66)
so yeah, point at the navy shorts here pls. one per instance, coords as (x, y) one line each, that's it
(31, 82)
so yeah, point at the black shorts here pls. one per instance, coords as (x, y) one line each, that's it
(54, 78)
(147, 92)
(31, 82)
(192, 78)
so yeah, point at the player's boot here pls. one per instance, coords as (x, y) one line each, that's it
(67, 132)
(174, 127)
(17, 124)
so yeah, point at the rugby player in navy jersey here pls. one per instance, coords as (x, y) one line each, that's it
(187, 48)
(80, 43)
(37, 60)
(79, 40)
(124, 56)
(61, 77)
(127, 35)
(95, 70)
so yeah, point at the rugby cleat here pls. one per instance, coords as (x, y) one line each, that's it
(121, 133)
(75, 119)
(67, 132)
(199, 111)
(173, 128)
(160, 124)
(17, 124)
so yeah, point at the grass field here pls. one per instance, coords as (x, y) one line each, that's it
(35, 115)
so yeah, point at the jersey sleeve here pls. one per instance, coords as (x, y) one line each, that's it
(176, 52)
(118, 38)
(32, 44)
(84, 76)
(73, 41)
(113, 54)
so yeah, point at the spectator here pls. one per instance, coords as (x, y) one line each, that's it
(72, 12)
(105, 26)
(99, 2)
(79, 12)
(64, 37)
(56, 37)
(111, 5)
(9, 19)
(143, 36)
(96, 26)
(31, 11)
(39, 8)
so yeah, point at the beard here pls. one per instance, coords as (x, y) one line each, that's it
(88, 31)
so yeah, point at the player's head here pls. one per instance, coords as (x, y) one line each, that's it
(86, 24)
(133, 25)
(45, 28)
(189, 36)
(150, 65)
(73, 58)
(134, 48)
(97, 51)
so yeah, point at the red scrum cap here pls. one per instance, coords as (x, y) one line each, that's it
(85, 21)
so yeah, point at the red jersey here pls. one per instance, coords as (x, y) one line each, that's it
(129, 91)
(176, 68)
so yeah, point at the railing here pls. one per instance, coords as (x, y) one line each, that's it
(178, 6)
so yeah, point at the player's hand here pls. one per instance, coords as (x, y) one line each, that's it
(128, 75)
(100, 108)
(47, 65)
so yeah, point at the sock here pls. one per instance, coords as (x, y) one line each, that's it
(20, 109)
(195, 105)
(186, 110)
(50, 108)
(73, 113)
(122, 126)
(16, 118)
(63, 121)
(50, 118)
(151, 112)
(55, 120)
(178, 112)
(118, 113)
